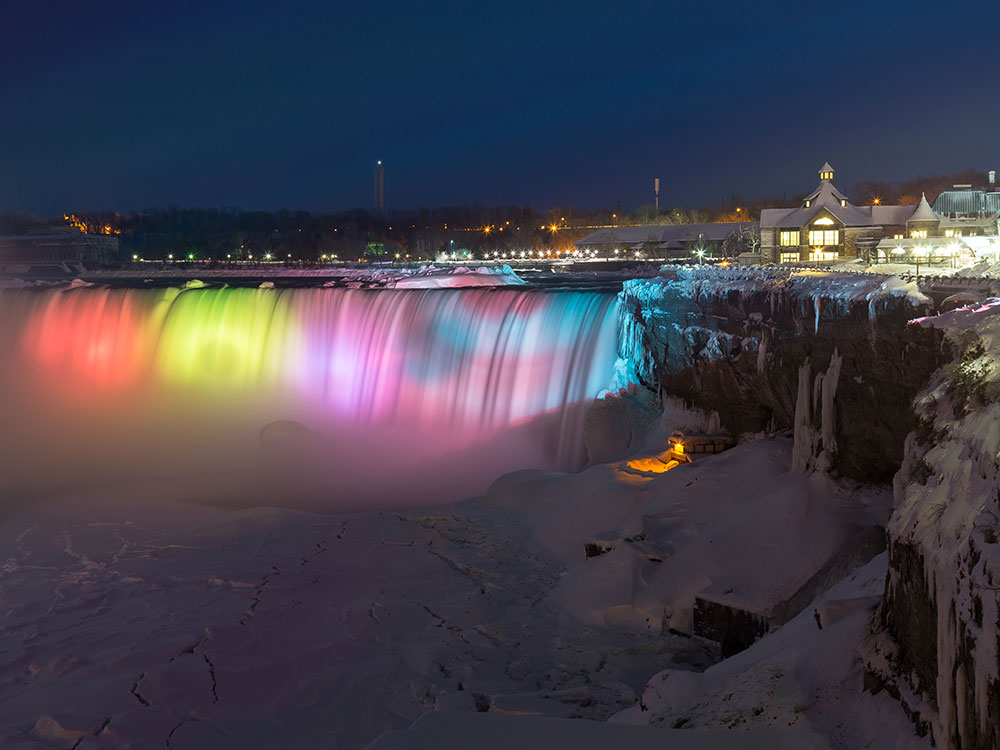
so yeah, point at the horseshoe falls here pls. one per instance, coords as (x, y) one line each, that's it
(323, 397)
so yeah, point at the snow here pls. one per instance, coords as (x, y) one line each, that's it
(830, 294)
(801, 676)
(431, 277)
(133, 617)
(493, 731)
(663, 530)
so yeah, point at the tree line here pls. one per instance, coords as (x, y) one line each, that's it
(231, 234)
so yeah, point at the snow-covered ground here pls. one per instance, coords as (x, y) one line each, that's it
(155, 623)
(132, 619)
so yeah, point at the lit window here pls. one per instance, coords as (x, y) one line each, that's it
(918, 234)
(843, 201)
(823, 255)
(949, 232)
(826, 175)
(808, 203)
(826, 221)
(897, 236)
(824, 237)
(790, 238)
(789, 258)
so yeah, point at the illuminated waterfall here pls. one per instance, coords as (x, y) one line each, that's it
(439, 369)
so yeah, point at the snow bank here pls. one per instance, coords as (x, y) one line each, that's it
(800, 677)
(695, 530)
(431, 277)
(496, 731)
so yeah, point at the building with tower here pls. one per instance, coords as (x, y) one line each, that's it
(828, 227)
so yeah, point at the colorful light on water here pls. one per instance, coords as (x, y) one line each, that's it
(463, 363)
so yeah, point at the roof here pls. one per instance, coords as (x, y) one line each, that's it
(833, 190)
(888, 216)
(670, 234)
(825, 197)
(967, 202)
(924, 212)
(773, 217)
(986, 221)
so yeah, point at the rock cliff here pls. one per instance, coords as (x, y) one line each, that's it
(827, 355)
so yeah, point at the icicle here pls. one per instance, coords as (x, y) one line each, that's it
(830, 381)
(803, 436)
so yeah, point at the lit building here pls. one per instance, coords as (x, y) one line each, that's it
(825, 227)
(967, 212)
(828, 227)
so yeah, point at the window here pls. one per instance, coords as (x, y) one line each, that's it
(826, 221)
(897, 236)
(823, 255)
(843, 201)
(789, 238)
(826, 175)
(808, 203)
(949, 232)
(789, 258)
(824, 237)
(918, 234)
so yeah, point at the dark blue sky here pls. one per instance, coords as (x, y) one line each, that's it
(125, 105)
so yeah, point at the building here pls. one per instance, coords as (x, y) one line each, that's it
(967, 212)
(59, 248)
(825, 227)
(673, 241)
(828, 227)
(962, 224)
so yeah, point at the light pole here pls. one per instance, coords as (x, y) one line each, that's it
(918, 252)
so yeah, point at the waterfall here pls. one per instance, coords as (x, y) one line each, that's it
(438, 369)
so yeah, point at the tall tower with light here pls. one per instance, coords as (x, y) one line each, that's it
(379, 197)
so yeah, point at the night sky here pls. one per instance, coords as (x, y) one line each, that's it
(124, 105)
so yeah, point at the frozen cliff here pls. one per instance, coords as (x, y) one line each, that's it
(827, 355)
(936, 647)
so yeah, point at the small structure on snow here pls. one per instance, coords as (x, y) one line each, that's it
(685, 447)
